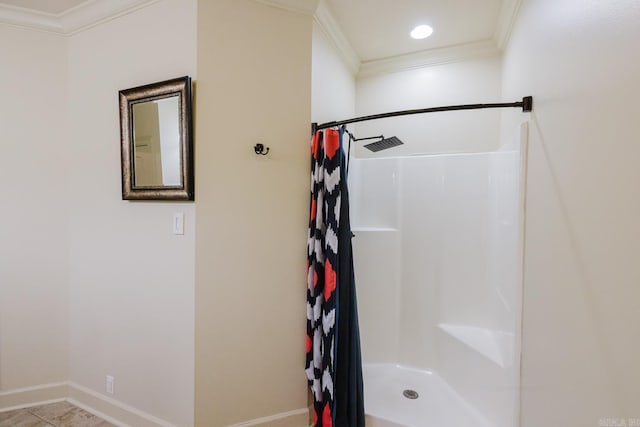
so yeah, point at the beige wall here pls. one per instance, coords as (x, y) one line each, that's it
(33, 225)
(131, 280)
(580, 61)
(254, 69)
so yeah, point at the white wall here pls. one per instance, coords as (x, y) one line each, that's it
(34, 202)
(333, 86)
(472, 81)
(131, 309)
(579, 60)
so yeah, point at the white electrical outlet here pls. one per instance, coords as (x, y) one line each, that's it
(110, 384)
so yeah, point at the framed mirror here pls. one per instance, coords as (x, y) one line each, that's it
(156, 141)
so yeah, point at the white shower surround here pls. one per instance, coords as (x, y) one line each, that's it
(438, 254)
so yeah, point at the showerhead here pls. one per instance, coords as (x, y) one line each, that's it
(383, 144)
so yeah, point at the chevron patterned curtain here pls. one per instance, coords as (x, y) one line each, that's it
(334, 364)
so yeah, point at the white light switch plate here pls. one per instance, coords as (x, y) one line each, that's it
(178, 223)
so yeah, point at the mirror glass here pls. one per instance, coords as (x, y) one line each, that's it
(156, 136)
(156, 145)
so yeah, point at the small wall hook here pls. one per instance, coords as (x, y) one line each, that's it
(260, 149)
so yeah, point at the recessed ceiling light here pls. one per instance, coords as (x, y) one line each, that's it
(421, 32)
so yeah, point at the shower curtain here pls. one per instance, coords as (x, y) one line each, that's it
(334, 363)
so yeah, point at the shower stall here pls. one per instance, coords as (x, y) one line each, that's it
(438, 263)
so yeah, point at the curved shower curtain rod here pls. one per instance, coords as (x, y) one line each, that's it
(526, 104)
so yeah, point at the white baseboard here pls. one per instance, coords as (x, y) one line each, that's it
(118, 413)
(297, 418)
(33, 396)
(109, 409)
(97, 413)
(112, 410)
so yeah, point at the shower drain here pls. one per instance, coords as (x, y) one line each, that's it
(410, 394)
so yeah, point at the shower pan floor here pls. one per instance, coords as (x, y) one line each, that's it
(437, 404)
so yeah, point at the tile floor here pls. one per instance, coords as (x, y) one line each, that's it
(61, 414)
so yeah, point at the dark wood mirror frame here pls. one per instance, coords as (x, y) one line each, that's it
(128, 98)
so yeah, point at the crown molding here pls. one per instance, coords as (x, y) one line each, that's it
(427, 58)
(331, 29)
(74, 20)
(307, 7)
(31, 19)
(506, 21)
(95, 12)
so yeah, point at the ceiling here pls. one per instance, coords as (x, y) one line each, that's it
(379, 29)
(366, 31)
